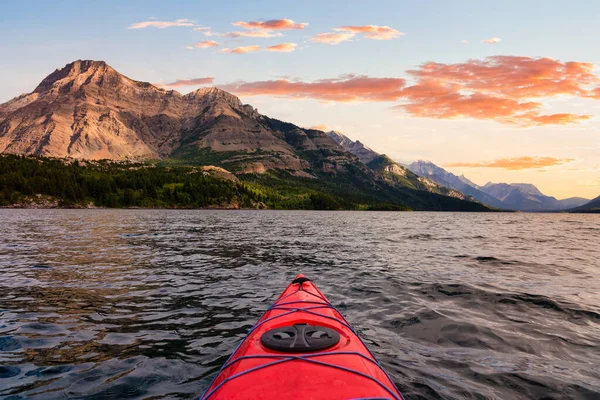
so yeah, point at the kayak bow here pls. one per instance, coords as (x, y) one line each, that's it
(302, 348)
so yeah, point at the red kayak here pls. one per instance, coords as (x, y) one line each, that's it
(302, 348)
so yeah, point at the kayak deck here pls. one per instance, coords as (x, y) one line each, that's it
(277, 359)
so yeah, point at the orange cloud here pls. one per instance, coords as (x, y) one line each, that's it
(499, 88)
(332, 37)
(254, 34)
(283, 47)
(517, 163)
(493, 40)
(242, 50)
(206, 44)
(190, 82)
(506, 89)
(347, 88)
(160, 24)
(516, 77)
(323, 127)
(272, 24)
(373, 31)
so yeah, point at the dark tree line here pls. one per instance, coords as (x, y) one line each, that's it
(117, 184)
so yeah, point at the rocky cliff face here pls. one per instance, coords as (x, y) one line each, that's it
(88, 110)
(364, 154)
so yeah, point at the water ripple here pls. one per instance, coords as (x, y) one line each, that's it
(144, 304)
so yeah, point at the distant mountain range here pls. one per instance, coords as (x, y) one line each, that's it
(590, 207)
(513, 196)
(88, 110)
(391, 171)
(461, 183)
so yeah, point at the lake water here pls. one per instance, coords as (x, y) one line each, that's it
(142, 304)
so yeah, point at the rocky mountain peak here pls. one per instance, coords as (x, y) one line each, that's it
(425, 168)
(80, 69)
(364, 154)
(95, 77)
(220, 102)
(528, 188)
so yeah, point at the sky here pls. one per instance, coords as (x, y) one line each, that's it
(498, 91)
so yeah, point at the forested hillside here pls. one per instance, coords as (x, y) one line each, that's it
(48, 182)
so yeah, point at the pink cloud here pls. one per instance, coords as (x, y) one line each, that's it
(501, 88)
(332, 38)
(491, 40)
(517, 163)
(190, 82)
(283, 47)
(160, 24)
(206, 44)
(272, 24)
(253, 34)
(506, 89)
(373, 31)
(242, 50)
(346, 88)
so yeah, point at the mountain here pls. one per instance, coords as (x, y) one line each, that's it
(527, 197)
(442, 177)
(87, 110)
(573, 202)
(514, 196)
(395, 173)
(364, 154)
(391, 171)
(589, 207)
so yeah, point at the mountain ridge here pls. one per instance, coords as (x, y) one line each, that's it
(392, 171)
(514, 196)
(592, 206)
(442, 177)
(88, 110)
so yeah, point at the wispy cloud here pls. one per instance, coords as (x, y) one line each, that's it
(332, 38)
(322, 127)
(253, 34)
(206, 31)
(206, 44)
(493, 40)
(283, 47)
(242, 50)
(517, 163)
(160, 24)
(375, 32)
(465, 42)
(190, 82)
(272, 24)
(347, 88)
